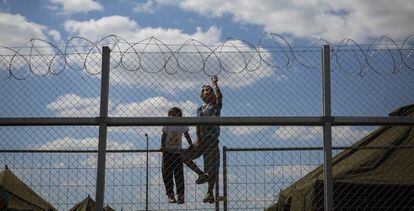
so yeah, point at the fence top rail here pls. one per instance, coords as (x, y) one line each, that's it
(225, 121)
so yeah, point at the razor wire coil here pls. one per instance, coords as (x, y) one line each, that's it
(42, 58)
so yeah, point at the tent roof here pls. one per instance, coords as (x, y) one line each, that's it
(108, 208)
(20, 193)
(87, 204)
(376, 165)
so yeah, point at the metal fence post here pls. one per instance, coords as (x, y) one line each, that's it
(217, 190)
(100, 178)
(217, 193)
(225, 178)
(327, 130)
(146, 176)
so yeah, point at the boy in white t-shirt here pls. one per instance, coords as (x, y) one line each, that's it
(172, 162)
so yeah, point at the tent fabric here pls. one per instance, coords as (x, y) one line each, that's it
(19, 195)
(108, 208)
(352, 196)
(88, 204)
(386, 172)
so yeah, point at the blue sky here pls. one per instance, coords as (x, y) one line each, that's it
(331, 20)
(268, 91)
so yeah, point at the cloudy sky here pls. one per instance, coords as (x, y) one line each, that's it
(272, 83)
(207, 21)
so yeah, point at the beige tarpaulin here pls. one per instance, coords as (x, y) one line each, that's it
(368, 177)
(88, 204)
(18, 196)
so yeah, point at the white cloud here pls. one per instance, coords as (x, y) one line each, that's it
(289, 172)
(147, 7)
(58, 165)
(55, 35)
(150, 59)
(16, 30)
(292, 132)
(69, 143)
(132, 32)
(113, 160)
(154, 107)
(246, 130)
(187, 71)
(78, 6)
(346, 135)
(152, 131)
(332, 20)
(340, 135)
(73, 105)
(125, 161)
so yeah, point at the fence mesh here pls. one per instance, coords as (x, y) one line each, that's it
(374, 172)
(53, 161)
(259, 165)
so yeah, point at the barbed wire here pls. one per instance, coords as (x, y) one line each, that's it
(42, 58)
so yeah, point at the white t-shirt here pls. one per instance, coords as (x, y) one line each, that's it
(174, 136)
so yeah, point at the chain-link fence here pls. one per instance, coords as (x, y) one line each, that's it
(301, 127)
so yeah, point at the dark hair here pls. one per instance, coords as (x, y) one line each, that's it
(175, 110)
(206, 87)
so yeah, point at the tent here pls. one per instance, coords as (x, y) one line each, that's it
(88, 204)
(363, 179)
(108, 208)
(15, 195)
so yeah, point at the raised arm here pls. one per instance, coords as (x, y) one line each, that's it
(219, 96)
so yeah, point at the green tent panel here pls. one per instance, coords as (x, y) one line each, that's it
(15, 195)
(88, 204)
(375, 178)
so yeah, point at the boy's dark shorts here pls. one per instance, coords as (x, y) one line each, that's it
(209, 148)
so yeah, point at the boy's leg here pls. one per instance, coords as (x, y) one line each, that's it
(212, 163)
(179, 174)
(193, 167)
(167, 173)
(188, 155)
(192, 153)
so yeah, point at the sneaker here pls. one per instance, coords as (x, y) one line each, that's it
(202, 178)
(209, 198)
(171, 198)
(180, 199)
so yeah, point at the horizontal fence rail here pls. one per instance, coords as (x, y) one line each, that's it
(236, 121)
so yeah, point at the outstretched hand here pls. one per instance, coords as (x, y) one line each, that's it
(214, 80)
